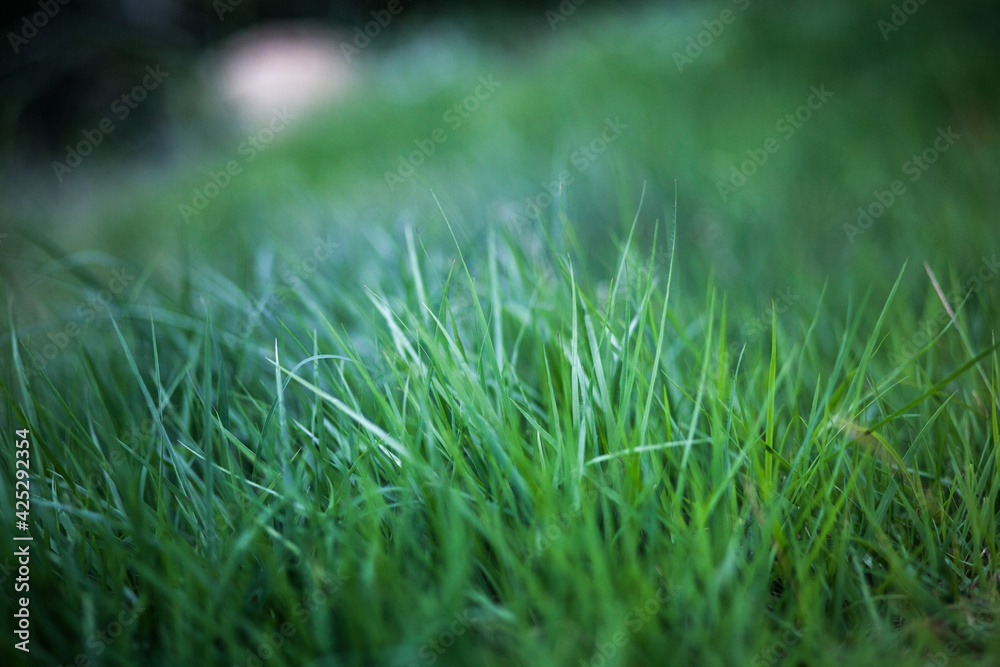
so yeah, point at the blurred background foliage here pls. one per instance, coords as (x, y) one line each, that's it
(687, 126)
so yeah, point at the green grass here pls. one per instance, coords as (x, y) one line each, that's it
(609, 435)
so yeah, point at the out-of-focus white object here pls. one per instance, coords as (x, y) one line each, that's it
(297, 67)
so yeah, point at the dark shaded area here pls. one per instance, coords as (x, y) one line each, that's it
(64, 59)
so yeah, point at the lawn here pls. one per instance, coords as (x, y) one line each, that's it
(660, 337)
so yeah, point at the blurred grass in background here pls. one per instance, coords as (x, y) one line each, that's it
(558, 87)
